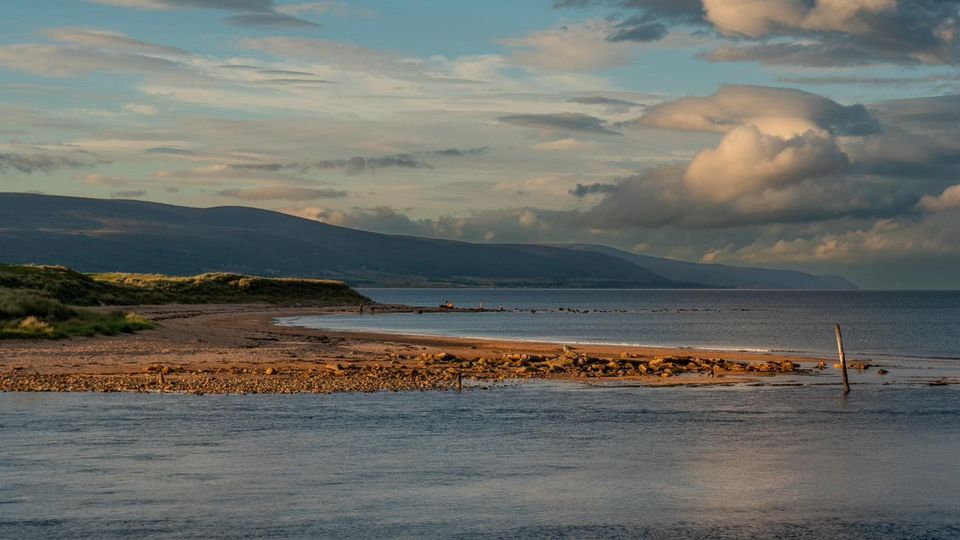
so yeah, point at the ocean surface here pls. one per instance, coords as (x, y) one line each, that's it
(535, 460)
(876, 324)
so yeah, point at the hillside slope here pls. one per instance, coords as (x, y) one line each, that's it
(721, 275)
(95, 235)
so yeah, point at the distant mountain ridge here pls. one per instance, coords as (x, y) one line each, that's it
(98, 235)
(721, 275)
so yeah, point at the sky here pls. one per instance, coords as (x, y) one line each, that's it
(821, 135)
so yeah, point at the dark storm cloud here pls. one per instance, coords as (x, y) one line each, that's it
(570, 122)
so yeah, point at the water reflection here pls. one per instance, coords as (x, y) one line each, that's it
(535, 460)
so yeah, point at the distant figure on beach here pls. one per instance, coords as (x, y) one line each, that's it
(447, 304)
(361, 309)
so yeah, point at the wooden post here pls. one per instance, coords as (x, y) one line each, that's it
(459, 381)
(843, 361)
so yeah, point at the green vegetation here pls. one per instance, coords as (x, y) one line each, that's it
(37, 301)
(28, 314)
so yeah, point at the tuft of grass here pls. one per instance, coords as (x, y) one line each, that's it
(28, 314)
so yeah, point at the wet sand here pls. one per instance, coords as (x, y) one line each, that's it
(237, 349)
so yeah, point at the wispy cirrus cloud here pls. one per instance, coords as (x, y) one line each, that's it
(249, 13)
(282, 193)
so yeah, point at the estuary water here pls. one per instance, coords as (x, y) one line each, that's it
(536, 460)
(876, 324)
(533, 460)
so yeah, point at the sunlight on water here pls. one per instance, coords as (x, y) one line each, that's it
(537, 460)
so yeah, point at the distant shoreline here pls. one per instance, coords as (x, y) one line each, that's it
(236, 349)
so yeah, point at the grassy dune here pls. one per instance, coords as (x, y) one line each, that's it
(41, 301)
(29, 314)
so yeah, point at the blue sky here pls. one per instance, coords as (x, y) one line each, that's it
(817, 135)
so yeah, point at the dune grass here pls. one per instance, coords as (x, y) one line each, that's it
(46, 301)
(77, 289)
(29, 314)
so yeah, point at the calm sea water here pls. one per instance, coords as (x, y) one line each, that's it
(901, 324)
(538, 460)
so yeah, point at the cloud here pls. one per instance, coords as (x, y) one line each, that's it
(352, 166)
(95, 38)
(779, 111)
(904, 154)
(800, 32)
(866, 81)
(229, 5)
(582, 190)
(561, 122)
(748, 162)
(903, 31)
(606, 101)
(381, 218)
(345, 56)
(322, 8)
(282, 193)
(138, 108)
(250, 13)
(96, 179)
(64, 61)
(786, 156)
(268, 20)
(571, 48)
(45, 163)
(564, 145)
(357, 165)
(128, 194)
(948, 200)
(936, 114)
(795, 54)
(459, 152)
(169, 150)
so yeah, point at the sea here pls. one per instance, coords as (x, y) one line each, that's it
(874, 324)
(536, 459)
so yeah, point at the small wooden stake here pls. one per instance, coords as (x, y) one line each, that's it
(843, 361)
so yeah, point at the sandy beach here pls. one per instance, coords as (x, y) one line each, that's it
(238, 349)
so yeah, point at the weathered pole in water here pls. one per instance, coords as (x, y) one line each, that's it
(843, 360)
